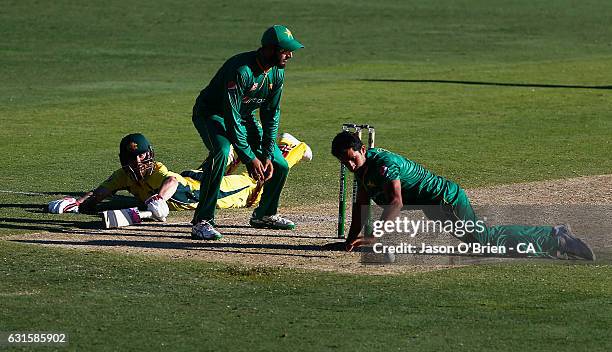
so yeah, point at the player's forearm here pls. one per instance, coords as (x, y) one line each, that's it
(85, 197)
(358, 213)
(236, 134)
(356, 224)
(353, 233)
(393, 193)
(391, 211)
(90, 199)
(270, 121)
(168, 188)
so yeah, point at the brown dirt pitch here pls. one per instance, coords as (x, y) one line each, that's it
(584, 202)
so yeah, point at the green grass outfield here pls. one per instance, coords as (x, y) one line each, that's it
(103, 301)
(484, 92)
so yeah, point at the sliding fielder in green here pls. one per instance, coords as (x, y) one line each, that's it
(393, 182)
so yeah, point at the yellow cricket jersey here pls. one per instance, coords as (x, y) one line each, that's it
(236, 191)
(148, 186)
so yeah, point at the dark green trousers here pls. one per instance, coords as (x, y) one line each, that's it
(511, 236)
(214, 135)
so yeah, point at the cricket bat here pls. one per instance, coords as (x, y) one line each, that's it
(124, 217)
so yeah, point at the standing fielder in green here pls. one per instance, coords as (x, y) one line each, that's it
(393, 181)
(224, 115)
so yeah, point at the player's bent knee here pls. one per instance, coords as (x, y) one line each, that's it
(221, 152)
(281, 166)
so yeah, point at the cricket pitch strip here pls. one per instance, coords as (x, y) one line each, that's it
(300, 249)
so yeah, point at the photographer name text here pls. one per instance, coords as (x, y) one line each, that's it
(462, 248)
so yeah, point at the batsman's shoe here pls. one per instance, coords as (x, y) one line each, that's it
(288, 142)
(203, 230)
(275, 222)
(571, 246)
(288, 139)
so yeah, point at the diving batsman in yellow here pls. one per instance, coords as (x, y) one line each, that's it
(162, 190)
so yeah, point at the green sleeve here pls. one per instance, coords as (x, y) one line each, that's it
(270, 117)
(234, 91)
(387, 170)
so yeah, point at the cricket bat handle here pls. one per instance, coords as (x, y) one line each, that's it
(145, 214)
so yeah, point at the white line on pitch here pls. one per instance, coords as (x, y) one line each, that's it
(24, 193)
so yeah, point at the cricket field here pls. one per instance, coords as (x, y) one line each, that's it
(511, 99)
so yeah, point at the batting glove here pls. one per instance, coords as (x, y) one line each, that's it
(157, 205)
(64, 205)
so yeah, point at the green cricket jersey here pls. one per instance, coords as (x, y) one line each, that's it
(419, 185)
(240, 87)
(422, 187)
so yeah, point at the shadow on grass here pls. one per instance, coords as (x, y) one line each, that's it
(153, 228)
(219, 247)
(31, 206)
(477, 83)
(234, 226)
(62, 194)
(146, 229)
(117, 201)
(55, 225)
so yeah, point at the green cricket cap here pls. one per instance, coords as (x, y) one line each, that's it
(280, 36)
(133, 145)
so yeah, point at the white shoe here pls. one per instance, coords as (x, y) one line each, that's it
(292, 141)
(307, 154)
(289, 139)
(275, 222)
(203, 230)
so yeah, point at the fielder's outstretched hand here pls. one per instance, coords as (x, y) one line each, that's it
(360, 242)
(348, 246)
